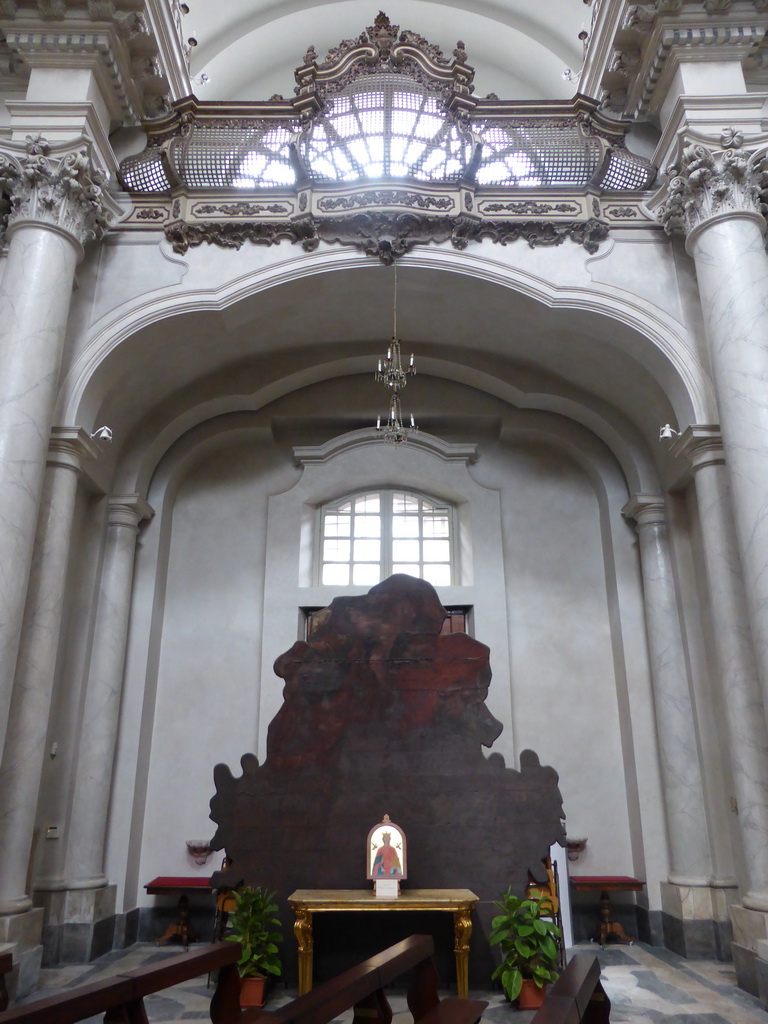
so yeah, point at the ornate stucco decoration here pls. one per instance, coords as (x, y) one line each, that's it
(122, 43)
(384, 147)
(706, 183)
(56, 186)
(635, 48)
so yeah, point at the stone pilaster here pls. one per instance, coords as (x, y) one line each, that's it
(736, 674)
(688, 839)
(81, 909)
(56, 204)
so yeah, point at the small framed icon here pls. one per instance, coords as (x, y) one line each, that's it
(386, 852)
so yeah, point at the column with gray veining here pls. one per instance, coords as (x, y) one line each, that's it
(57, 204)
(88, 822)
(689, 850)
(732, 640)
(715, 199)
(22, 759)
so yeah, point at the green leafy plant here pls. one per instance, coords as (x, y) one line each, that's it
(527, 941)
(256, 928)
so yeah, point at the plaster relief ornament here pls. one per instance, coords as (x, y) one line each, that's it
(705, 183)
(57, 185)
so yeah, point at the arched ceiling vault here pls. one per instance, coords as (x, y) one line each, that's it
(176, 372)
(249, 48)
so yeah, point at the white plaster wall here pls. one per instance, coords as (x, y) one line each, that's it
(200, 687)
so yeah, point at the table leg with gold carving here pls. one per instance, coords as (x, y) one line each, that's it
(462, 930)
(302, 929)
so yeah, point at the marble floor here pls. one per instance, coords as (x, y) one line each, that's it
(645, 985)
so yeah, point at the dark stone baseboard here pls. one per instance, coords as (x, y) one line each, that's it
(699, 939)
(744, 960)
(80, 943)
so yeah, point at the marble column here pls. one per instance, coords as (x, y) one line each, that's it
(688, 839)
(88, 821)
(57, 204)
(736, 667)
(715, 198)
(23, 756)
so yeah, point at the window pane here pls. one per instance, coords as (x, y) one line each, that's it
(405, 551)
(409, 569)
(435, 526)
(335, 575)
(367, 551)
(437, 551)
(367, 526)
(367, 503)
(335, 550)
(405, 526)
(337, 526)
(366, 575)
(404, 503)
(438, 575)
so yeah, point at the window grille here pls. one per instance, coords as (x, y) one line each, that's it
(235, 157)
(536, 156)
(627, 171)
(144, 172)
(385, 126)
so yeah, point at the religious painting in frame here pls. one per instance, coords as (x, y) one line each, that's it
(386, 851)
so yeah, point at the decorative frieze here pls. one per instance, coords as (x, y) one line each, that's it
(706, 183)
(385, 234)
(56, 186)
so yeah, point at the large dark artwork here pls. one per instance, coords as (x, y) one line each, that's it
(382, 714)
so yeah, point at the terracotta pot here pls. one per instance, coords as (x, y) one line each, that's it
(252, 992)
(531, 996)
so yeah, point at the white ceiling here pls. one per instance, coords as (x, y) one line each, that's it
(250, 48)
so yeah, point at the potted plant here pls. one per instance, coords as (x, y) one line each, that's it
(257, 929)
(529, 950)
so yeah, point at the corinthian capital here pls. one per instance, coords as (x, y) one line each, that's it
(707, 183)
(56, 186)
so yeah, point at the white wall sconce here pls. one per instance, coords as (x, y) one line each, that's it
(199, 850)
(575, 845)
(102, 434)
(667, 432)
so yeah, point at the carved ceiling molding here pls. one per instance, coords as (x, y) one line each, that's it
(386, 235)
(647, 37)
(111, 36)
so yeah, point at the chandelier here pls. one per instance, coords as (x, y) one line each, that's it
(394, 376)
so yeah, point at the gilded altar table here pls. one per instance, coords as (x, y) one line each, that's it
(459, 902)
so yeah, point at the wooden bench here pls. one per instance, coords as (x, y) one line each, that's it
(362, 987)
(577, 997)
(121, 997)
(6, 966)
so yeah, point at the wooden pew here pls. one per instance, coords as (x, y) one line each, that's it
(121, 997)
(577, 997)
(363, 988)
(6, 966)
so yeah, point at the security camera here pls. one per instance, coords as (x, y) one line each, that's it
(102, 434)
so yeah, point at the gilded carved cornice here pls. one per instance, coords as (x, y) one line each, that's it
(56, 186)
(708, 183)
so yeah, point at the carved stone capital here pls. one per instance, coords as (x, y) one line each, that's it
(646, 510)
(69, 447)
(701, 445)
(707, 183)
(129, 510)
(55, 186)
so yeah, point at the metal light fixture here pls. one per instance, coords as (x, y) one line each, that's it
(394, 376)
(667, 432)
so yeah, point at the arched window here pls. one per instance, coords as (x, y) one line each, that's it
(366, 537)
